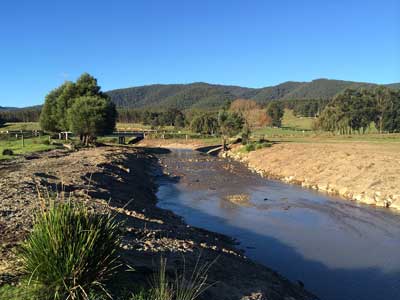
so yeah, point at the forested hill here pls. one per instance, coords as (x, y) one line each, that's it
(6, 108)
(179, 95)
(204, 95)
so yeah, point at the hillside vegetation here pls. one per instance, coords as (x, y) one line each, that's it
(205, 96)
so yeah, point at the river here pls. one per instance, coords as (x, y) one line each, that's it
(339, 249)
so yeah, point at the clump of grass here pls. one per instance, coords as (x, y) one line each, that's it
(263, 145)
(182, 287)
(250, 147)
(71, 251)
(256, 146)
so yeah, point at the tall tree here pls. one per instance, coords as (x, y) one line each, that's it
(386, 109)
(179, 121)
(204, 123)
(91, 116)
(64, 101)
(391, 112)
(355, 110)
(275, 112)
(254, 115)
(48, 116)
(87, 86)
(54, 115)
(230, 124)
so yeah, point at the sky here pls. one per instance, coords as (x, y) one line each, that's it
(251, 43)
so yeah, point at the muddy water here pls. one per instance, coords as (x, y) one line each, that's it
(338, 249)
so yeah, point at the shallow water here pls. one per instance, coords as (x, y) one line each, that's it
(339, 249)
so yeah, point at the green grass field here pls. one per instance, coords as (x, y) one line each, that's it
(31, 145)
(298, 129)
(296, 123)
(21, 126)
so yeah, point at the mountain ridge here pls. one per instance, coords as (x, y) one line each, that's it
(203, 95)
(206, 95)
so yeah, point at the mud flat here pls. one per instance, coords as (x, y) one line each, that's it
(367, 173)
(122, 179)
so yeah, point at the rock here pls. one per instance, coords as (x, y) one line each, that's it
(396, 203)
(358, 197)
(369, 199)
(255, 296)
(8, 152)
(343, 191)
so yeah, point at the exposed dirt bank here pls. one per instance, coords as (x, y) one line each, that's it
(363, 172)
(121, 179)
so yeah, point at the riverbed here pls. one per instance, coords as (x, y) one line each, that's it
(338, 249)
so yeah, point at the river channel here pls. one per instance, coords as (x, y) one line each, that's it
(339, 249)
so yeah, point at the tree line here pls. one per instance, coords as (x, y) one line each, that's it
(20, 115)
(356, 110)
(306, 107)
(80, 107)
(170, 117)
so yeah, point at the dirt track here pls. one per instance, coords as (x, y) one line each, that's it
(358, 171)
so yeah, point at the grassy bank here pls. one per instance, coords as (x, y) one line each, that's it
(30, 145)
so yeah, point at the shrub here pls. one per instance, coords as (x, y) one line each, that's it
(266, 145)
(8, 152)
(250, 147)
(71, 251)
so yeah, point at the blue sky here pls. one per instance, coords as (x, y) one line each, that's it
(251, 43)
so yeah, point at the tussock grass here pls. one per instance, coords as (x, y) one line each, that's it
(184, 286)
(71, 252)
